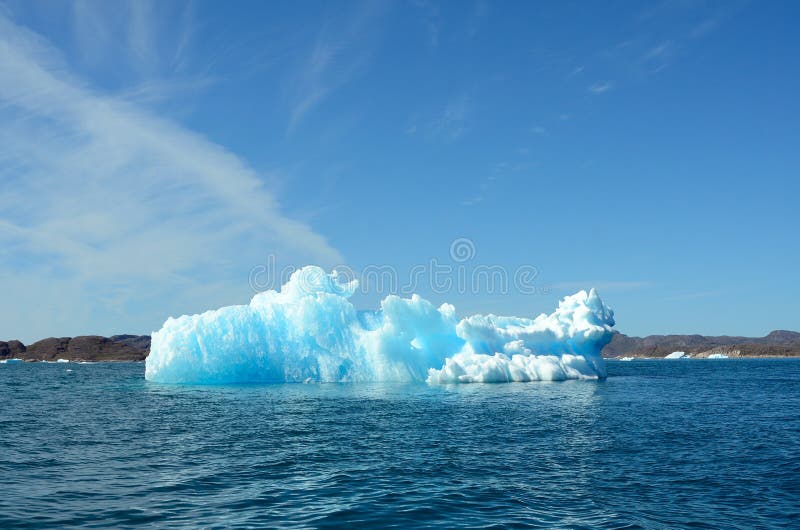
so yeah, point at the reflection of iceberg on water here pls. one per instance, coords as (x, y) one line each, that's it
(311, 332)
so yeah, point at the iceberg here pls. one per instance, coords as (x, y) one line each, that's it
(717, 356)
(309, 331)
(676, 355)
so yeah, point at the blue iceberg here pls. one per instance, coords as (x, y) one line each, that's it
(311, 332)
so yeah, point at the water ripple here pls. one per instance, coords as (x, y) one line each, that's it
(696, 444)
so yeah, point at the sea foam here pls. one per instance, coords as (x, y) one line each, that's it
(310, 331)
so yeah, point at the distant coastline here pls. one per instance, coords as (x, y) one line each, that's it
(82, 348)
(120, 348)
(778, 343)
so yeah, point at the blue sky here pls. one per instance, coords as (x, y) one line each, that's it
(153, 154)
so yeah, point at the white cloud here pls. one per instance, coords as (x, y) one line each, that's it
(430, 20)
(695, 295)
(660, 51)
(92, 31)
(141, 34)
(453, 121)
(604, 286)
(472, 201)
(140, 38)
(126, 212)
(577, 70)
(335, 59)
(601, 87)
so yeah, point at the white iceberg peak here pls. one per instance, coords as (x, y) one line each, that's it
(309, 331)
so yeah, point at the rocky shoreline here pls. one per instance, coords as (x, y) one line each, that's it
(82, 348)
(778, 343)
(119, 348)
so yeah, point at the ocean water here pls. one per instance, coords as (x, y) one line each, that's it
(659, 444)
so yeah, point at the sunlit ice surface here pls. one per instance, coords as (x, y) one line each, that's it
(309, 331)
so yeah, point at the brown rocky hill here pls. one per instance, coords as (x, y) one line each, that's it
(83, 348)
(779, 343)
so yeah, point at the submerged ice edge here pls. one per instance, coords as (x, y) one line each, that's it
(310, 331)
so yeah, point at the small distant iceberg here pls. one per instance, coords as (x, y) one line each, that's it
(627, 358)
(717, 356)
(677, 355)
(62, 360)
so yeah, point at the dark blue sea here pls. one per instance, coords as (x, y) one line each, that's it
(659, 444)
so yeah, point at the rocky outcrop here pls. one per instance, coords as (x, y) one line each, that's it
(82, 348)
(117, 348)
(753, 350)
(47, 349)
(11, 349)
(779, 343)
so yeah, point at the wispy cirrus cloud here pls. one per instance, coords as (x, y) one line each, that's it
(142, 38)
(448, 124)
(472, 201)
(127, 210)
(601, 87)
(429, 19)
(647, 48)
(342, 50)
(695, 295)
(659, 51)
(485, 188)
(605, 286)
(453, 122)
(690, 22)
